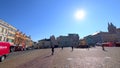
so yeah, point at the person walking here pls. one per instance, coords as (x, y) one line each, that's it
(62, 47)
(88, 47)
(52, 49)
(52, 42)
(72, 48)
(103, 47)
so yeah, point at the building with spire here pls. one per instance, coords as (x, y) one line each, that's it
(113, 35)
(111, 28)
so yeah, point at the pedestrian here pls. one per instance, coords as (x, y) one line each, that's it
(52, 50)
(72, 48)
(62, 47)
(88, 47)
(103, 47)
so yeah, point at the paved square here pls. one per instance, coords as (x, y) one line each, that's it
(66, 58)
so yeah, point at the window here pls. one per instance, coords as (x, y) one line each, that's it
(4, 39)
(12, 35)
(0, 29)
(0, 38)
(4, 30)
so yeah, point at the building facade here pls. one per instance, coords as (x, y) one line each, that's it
(29, 42)
(48, 43)
(3, 30)
(113, 35)
(63, 41)
(11, 34)
(114, 31)
(44, 43)
(67, 41)
(22, 39)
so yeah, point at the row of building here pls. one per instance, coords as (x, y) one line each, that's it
(113, 35)
(9, 33)
(65, 41)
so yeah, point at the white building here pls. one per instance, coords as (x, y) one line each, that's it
(7, 32)
(3, 30)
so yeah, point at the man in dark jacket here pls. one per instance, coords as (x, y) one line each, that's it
(103, 47)
(52, 50)
(72, 48)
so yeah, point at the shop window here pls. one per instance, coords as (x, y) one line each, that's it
(4, 39)
(10, 40)
(7, 39)
(0, 38)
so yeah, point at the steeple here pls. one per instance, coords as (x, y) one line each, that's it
(108, 24)
(111, 28)
(111, 24)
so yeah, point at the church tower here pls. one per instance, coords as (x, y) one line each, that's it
(111, 28)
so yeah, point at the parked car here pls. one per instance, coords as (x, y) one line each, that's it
(29, 48)
(4, 50)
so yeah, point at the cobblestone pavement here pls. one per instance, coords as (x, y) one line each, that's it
(66, 58)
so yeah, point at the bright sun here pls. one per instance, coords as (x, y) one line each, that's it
(79, 14)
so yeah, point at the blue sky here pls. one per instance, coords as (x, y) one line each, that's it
(43, 18)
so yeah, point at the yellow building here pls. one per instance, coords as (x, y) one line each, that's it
(18, 38)
(28, 41)
(82, 42)
(22, 39)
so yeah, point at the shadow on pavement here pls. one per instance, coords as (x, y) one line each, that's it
(105, 50)
(48, 56)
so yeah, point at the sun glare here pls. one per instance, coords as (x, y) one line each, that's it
(79, 14)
